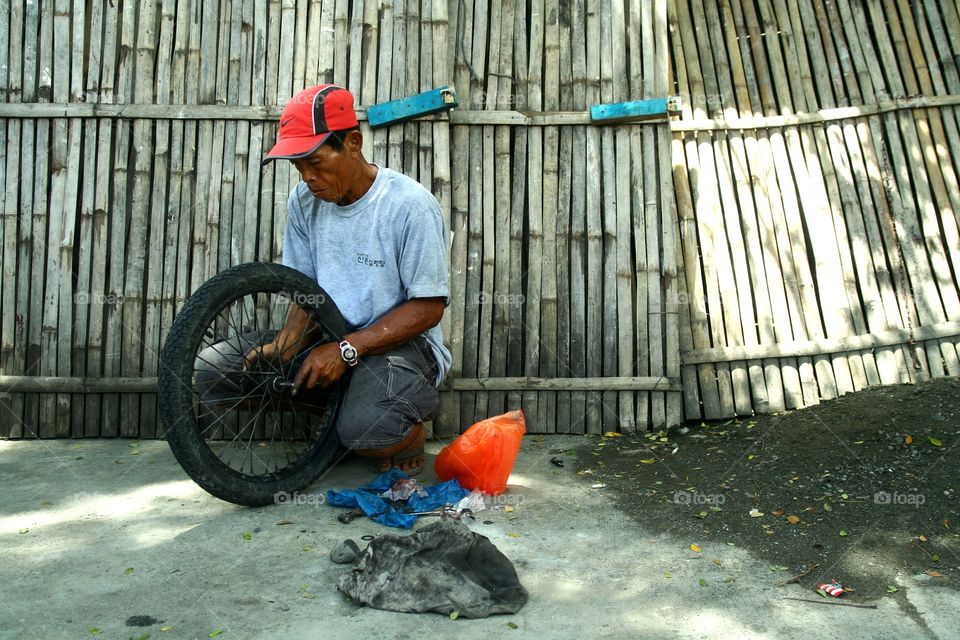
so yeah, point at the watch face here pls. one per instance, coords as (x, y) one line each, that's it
(349, 353)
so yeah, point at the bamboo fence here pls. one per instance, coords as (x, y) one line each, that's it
(820, 248)
(791, 237)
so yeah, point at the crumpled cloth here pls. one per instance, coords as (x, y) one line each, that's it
(443, 567)
(393, 514)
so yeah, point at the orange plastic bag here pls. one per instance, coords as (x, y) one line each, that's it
(483, 456)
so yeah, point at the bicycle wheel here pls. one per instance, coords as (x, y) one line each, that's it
(236, 431)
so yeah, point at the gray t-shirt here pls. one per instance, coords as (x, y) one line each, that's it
(374, 254)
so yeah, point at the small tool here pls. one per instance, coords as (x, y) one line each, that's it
(447, 512)
(349, 516)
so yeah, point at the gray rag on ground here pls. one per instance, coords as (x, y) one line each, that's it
(443, 567)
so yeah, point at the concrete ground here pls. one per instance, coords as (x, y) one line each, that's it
(94, 533)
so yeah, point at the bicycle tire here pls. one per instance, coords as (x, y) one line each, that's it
(175, 384)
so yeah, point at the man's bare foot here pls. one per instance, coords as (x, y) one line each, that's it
(406, 455)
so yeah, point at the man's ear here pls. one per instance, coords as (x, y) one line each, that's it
(354, 141)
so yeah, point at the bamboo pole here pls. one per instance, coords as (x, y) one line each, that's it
(826, 345)
(16, 219)
(535, 215)
(409, 134)
(134, 348)
(285, 178)
(56, 329)
(594, 222)
(257, 179)
(72, 212)
(669, 270)
(690, 295)
(371, 36)
(487, 222)
(442, 70)
(381, 72)
(101, 71)
(8, 229)
(476, 24)
(264, 182)
(115, 201)
(39, 418)
(31, 131)
(421, 137)
(578, 212)
(355, 50)
(237, 147)
(170, 88)
(81, 312)
(155, 325)
(564, 187)
(459, 203)
(11, 68)
(341, 31)
(547, 405)
(270, 113)
(139, 384)
(610, 174)
(325, 39)
(515, 338)
(499, 88)
(309, 14)
(398, 77)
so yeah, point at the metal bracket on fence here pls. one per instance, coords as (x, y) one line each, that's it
(422, 104)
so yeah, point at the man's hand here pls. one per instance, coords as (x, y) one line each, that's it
(267, 351)
(323, 367)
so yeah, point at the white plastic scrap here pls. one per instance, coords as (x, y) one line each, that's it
(473, 502)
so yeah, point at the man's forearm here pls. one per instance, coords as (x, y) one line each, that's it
(296, 332)
(398, 326)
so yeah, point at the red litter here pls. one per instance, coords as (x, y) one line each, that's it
(832, 588)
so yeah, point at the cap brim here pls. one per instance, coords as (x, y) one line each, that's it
(295, 148)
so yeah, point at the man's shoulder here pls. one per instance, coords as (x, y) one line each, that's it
(405, 190)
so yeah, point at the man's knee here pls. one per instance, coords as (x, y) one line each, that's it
(384, 401)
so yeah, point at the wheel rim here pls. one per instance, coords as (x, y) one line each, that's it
(251, 426)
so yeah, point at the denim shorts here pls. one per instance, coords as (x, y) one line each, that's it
(385, 394)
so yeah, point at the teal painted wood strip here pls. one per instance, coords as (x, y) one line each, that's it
(421, 104)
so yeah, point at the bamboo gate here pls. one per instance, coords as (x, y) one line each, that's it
(793, 236)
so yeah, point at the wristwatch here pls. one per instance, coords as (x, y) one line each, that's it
(349, 353)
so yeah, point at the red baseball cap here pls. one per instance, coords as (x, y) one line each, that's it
(308, 119)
